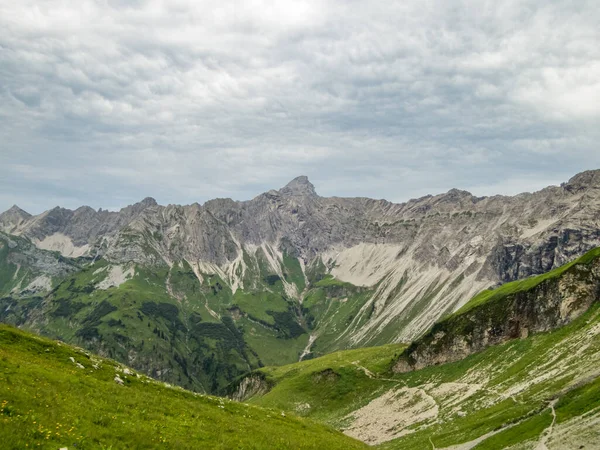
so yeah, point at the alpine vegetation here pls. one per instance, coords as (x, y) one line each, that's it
(446, 320)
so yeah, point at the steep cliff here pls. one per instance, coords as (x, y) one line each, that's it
(513, 311)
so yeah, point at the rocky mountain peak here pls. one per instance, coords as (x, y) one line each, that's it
(299, 186)
(16, 211)
(85, 211)
(584, 180)
(457, 194)
(140, 206)
(148, 201)
(12, 217)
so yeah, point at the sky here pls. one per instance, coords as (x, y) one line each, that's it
(103, 103)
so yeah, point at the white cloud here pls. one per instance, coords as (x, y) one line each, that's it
(566, 94)
(108, 101)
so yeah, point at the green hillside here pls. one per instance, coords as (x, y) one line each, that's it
(507, 389)
(540, 386)
(331, 386)
(541, 389)
(54, 396)
(175, 324)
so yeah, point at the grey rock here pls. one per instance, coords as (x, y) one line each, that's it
(551, 304)
(12, 219)
(39, 262)
(489, 239)
(250, 386)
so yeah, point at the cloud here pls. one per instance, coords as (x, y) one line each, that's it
(105, 102)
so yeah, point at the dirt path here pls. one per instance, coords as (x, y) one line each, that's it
(541, 445)
(548, 431)
(471, 444)
(432, 444)
(373, 376)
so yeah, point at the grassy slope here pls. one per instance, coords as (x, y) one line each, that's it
(171, 333)
(512, 383)
(507, 384)
(518, 380)
(46, 401)
(141, 324)
(7, 270)
(332, 385)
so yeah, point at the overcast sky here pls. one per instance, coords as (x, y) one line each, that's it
(106, 102)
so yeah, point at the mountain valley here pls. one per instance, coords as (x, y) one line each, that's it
(197, 295)
(446, 322)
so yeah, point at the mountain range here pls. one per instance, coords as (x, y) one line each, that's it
(200, 294)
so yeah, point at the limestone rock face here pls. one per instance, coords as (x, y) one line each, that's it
(250, 386)
(551, 304)
(423, 258)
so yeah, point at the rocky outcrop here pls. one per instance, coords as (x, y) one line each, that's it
(250, 386)
(553, 301)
